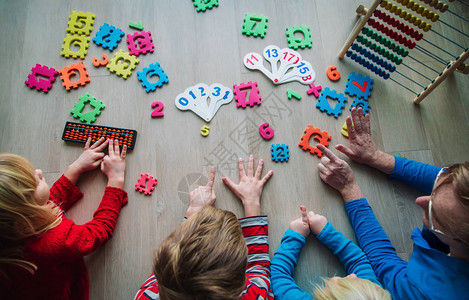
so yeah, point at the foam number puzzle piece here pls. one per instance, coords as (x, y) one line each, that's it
(90, 116)
(205, 131)
(279, 152)
(137, 26)
(81, 41)
(151, 71)
(324, 105)
(108, 36)
(314, 90)
(144, 41)
(158, 112)
(359, 85)
(100, 62)
(146, 184)
(332, 73)
(294, 42)
(80, 23)
(68, 72)
(240, 92)
(203, 5)
(266, 132)
(255, 25)
(344, 130)
(40, 83)
(292, 93)
(361, 102)
(122, 64)
(321, 136)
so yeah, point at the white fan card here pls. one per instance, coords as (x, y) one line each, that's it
(292, 67)
(203, 100)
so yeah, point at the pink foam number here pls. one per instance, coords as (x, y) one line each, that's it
(144, 41)
(158, 106)
(142, 186)
(240, 92)
(266, 132)
(314, 90)
(40, 83)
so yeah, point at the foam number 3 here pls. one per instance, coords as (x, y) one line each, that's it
(158, 106)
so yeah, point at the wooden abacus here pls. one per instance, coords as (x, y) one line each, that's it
(77, 132)
(380, 52)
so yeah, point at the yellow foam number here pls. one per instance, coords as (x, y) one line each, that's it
(205, 130)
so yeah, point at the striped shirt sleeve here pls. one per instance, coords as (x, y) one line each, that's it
(255, 231)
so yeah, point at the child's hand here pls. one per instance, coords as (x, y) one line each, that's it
(113, 164)
(90, 159)
(202, 196)
(301, 225)
(250, 186)
(316, 222)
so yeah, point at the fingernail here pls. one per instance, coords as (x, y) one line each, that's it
(240, 159)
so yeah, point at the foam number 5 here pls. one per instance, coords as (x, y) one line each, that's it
(205, 130)
(266, 132)
(158, 106)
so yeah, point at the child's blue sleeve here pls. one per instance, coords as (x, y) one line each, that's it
(349, 254)
(283, 266)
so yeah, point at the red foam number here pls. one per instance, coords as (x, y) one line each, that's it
(158, 106)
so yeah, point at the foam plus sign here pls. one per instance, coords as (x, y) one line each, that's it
(314, 90)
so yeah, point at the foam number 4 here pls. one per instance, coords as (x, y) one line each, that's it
(158, 106)
(332, 73)
(266, 132)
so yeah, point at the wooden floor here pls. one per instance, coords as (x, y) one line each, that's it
(208, 47)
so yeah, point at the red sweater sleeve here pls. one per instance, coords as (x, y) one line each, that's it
(256, 233)
(69, 241)
(64, 193)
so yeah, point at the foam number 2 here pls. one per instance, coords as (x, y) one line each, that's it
(332, 73)
(266, 132)
(158, 106)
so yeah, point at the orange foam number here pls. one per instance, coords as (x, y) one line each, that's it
(67, 72)
(100, 62)
(332, 73)
(321, 136)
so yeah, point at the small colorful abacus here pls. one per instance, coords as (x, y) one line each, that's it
(369, 47)
(77, 132)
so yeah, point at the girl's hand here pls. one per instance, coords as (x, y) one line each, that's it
(338, 174)
(316, 222)
(202, 196)
(301, 225)
(249, 189)
(90, 159)
(113, 164)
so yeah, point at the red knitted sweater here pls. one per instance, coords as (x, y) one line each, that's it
(59, 252)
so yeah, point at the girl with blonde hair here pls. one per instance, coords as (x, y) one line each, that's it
(41, 253)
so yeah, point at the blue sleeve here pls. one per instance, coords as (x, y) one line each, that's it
(417, 174)
(283, 266)
(390, 269)
(350, 255)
